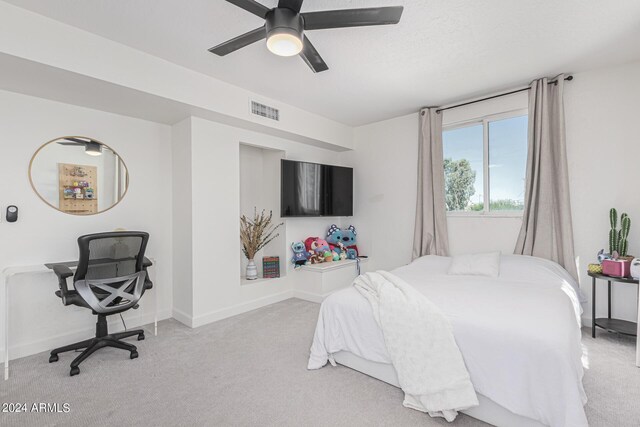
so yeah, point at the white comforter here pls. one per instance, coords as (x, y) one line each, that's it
(421, 345)
(519, 334)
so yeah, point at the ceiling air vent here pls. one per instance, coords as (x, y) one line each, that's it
(265, 111)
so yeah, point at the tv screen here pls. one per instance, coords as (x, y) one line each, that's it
(312, 189)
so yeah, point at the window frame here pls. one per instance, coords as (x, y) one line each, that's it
(484, 121)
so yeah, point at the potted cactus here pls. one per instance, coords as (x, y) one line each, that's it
(618, 238)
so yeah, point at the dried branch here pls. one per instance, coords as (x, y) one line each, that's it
(256, 233)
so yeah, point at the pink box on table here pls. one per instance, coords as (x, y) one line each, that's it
(616, 268)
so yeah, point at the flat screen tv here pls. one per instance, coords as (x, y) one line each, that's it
(312, 189)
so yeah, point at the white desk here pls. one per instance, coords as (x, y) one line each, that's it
(9, 272)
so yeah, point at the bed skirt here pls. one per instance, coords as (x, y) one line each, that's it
(488, 411)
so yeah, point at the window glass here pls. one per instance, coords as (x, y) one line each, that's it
(463, 168)
(507, 163)
(467, 155)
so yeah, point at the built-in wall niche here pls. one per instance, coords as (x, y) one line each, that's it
(260, 189)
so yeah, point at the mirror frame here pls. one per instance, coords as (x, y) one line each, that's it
(33, 187)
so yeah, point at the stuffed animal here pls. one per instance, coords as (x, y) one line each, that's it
(315, 259)
(334, 235)
(320, 248)
(339, 252)
(300, 254)
(347, 237)
(602, 256)
(316, 245)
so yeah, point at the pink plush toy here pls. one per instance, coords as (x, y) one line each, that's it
(320, 247)
(316, 244)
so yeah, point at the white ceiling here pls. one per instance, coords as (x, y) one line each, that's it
(442, 50)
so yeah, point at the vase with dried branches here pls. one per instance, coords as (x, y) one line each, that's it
(255, 234)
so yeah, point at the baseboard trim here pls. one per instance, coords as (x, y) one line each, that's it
(244, 307)
(182, 317)
(114, 325)
(309, 296)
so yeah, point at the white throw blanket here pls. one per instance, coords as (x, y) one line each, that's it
(421, 346)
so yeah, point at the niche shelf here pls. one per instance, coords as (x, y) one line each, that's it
(260, 189)
(333, 265)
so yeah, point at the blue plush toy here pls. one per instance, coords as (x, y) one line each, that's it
(347, 237)
(300, 254)
(602, 256)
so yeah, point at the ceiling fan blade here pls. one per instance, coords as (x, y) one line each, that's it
(71, 143)
(294, 5)
(352, 17)
(239, 42)
(312, 57)
(251, 6)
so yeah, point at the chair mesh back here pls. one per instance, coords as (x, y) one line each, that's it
(113, 257)
(110, 276)
(110, 255)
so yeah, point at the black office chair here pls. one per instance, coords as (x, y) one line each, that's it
(111, 278)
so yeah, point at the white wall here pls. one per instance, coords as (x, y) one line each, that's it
(38, 320)
(184, 189)
(215, 210)
(260, 189)
(601, 109)
(385, 159)
(182, 241)
(385, 175)
(603, 147)
(93, 60)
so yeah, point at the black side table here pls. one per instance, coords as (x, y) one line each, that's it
(612, 325)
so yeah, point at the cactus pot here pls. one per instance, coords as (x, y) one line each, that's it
(627, 258)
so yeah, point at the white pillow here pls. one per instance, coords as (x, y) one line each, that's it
(485, 264)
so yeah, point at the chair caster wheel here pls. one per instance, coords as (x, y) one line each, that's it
(133, 355)
(74, 371)
(53, 358)
(140, 337)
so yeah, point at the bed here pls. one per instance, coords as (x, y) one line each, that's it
(519, 335)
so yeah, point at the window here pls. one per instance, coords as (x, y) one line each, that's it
(485, 164)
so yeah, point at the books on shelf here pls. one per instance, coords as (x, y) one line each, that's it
(270, 267)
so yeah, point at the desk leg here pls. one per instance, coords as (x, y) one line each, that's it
(609, 299)
(155, 314)
(593, 307)
(6, 327)
(638, 332)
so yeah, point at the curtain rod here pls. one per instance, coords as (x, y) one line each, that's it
(568, 78)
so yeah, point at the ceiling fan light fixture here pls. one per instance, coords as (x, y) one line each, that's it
(284, 32)
(284, 44)
(285, 25)
(93, 148)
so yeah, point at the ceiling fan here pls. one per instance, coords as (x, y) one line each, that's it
(91, 146)
(285, 26)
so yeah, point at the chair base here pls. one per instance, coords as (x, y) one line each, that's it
(102, 339)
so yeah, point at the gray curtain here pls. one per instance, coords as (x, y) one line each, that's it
(546, 230)
(430, 235)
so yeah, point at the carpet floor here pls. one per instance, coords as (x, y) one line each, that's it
(250, 370)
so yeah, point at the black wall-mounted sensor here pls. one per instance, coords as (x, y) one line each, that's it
(12, 213)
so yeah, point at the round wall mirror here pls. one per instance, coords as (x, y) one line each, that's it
(78, 175)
